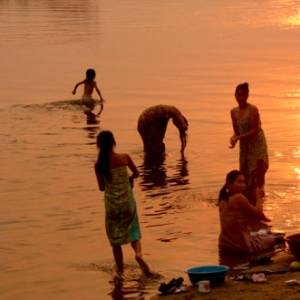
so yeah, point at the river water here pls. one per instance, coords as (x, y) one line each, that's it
(190, 54)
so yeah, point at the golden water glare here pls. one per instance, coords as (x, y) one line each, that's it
(186, 53)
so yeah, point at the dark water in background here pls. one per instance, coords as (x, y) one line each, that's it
(189, 54)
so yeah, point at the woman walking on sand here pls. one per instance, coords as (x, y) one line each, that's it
(121, 219)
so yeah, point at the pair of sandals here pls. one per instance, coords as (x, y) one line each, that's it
(174, 286)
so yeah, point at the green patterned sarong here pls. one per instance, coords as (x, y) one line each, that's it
(121, 219)
(252, 149)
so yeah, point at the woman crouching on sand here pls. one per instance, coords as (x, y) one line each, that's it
(234, 209)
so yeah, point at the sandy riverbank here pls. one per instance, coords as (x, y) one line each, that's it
(274, 288)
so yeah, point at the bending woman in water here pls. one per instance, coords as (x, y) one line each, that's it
(234, 210)
(152, 126)
(121, 218)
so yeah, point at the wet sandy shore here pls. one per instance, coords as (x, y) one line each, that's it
(274, 288)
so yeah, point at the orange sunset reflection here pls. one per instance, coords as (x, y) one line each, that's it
(296, 154)
(293, 93)
(294, 20)
(297, 170)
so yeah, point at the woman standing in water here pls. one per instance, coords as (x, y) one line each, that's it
(152, 126)
(234, 210)
(247, 129)
(121, 219)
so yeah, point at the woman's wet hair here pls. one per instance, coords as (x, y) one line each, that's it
(243, 86)
(185, 121)
(230, 178)
(105, 142)
(90, 75)
(232, 175)
(181, 131)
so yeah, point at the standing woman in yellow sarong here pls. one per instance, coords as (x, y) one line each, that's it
(247, 129)
(121, 218)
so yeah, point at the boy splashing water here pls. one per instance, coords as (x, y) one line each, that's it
(87, 100)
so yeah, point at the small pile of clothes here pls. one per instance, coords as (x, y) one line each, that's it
(174, 286)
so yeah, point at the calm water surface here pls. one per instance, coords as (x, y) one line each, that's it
(190, 54)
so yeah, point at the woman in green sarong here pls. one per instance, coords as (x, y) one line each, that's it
(246, 123)
(121, 219)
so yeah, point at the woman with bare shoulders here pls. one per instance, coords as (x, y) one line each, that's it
(121, 217)
(247, 129)
(234, 209)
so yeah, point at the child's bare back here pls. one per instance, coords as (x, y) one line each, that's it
(89, 88)
(89, 85)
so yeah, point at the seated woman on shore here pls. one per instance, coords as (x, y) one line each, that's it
(234, 209)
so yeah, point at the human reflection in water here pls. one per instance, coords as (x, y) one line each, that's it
(153, 173)
(181, 177)
(126, 289)
(92, 132)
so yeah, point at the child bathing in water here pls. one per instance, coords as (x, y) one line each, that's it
(87, 100)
